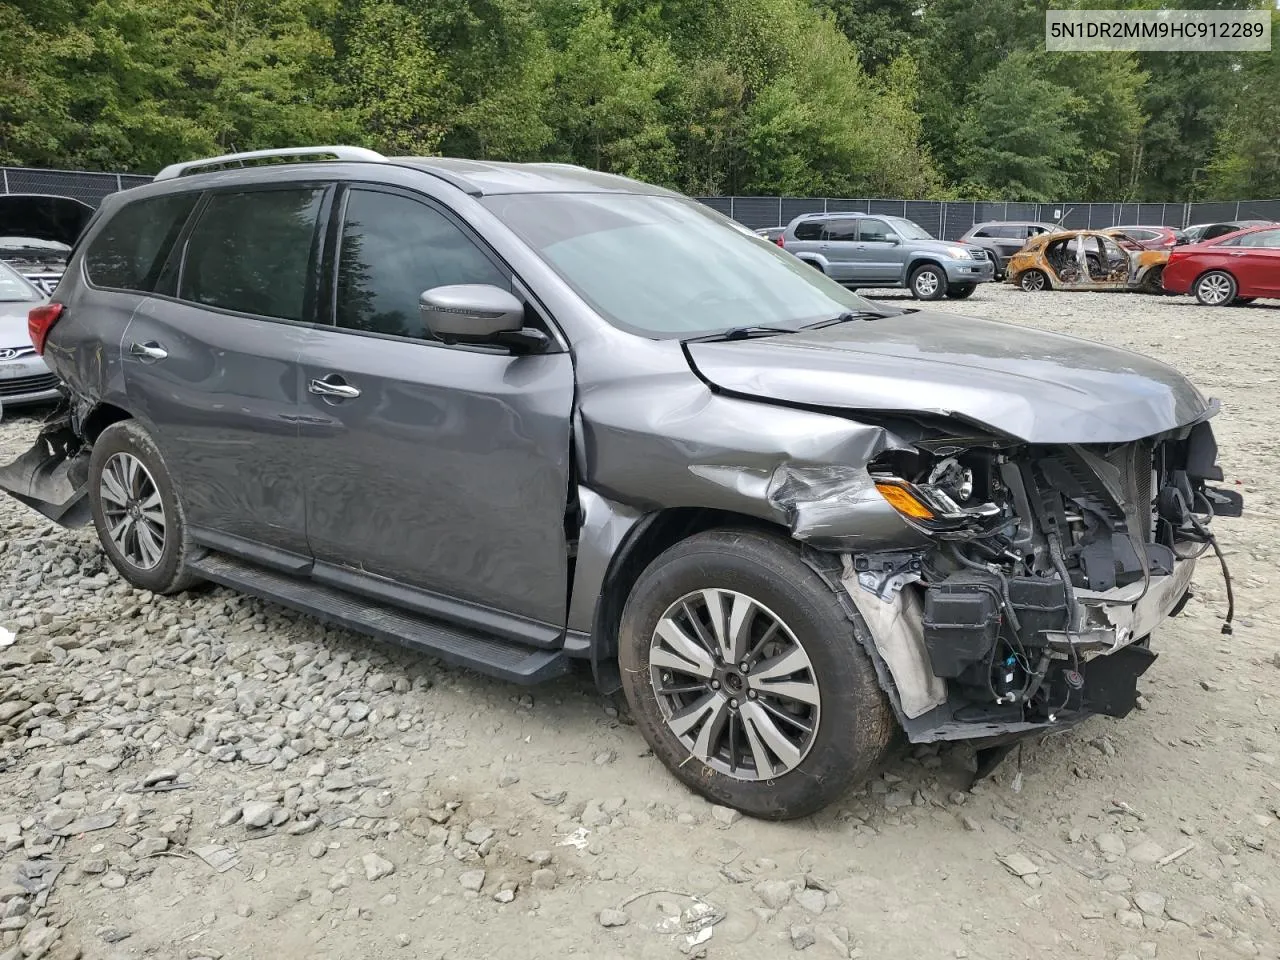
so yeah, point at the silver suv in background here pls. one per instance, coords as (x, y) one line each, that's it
(498, 414)
(858, 250)
(1003, 238)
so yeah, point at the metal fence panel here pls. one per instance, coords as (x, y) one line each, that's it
(1260, 210)
(84, 185)
(719, 204)
(887, 208)
(1212, 212)
(926, 213)
(793, 207)
(756, 212)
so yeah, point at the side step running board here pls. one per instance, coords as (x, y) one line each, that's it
(455, 645)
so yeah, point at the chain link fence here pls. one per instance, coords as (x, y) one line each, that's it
(945, 219)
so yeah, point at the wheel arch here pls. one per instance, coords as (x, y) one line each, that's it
(98, 417)
(921, 259)
(648, 538)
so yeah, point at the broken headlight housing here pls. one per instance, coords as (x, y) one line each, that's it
(956, 495)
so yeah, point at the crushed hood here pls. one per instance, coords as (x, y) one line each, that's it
(1036, 386)
(59, 219)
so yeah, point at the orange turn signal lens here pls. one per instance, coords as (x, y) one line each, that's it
(904, 502)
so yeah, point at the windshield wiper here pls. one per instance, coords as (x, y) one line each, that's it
(847, 317)
(741, 333)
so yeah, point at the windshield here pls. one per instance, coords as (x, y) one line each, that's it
(667, 267)
(908, 230)
(14, 289)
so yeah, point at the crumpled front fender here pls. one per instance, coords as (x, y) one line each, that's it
(52, 477)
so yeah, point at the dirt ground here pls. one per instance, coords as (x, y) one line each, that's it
(210, 776)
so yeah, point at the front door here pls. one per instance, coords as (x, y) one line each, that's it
(439, 472)
(214, 371)
(1255, 260)
(880, 253)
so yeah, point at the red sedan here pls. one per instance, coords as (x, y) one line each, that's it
(1237, 268)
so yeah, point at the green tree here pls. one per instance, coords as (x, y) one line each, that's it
(1246, 159)
(1015, 140)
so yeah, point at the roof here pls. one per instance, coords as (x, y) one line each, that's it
(490, 177)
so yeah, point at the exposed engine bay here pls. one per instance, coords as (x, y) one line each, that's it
(1049, 567)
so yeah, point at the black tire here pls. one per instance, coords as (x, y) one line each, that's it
(168, 574)
(1153, 282)
(928, 282)
(1033, 281)
(1217, 288)
(959, 291)
(855, 723)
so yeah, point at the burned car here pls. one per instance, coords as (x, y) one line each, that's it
(497, 413)
(37, 232)
(1086, 260)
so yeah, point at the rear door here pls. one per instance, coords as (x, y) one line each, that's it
(435, 473)
(840, 246)
(1255, 260)
(881, 256)
(213, 368)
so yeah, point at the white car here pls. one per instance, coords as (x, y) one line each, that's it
(24, 378)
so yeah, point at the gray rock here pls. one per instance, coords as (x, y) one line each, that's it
(1150, 903)
(1110, 844)
(774, 893)
(257, 813)
(472, 880)
(815, 901)
(802, 936)
(1019, 865)
(1146, 852)
(112, 881)
(543, 879)
(162, 775)
(539, 858)
(376, 867)
(1129, 918)
(149, 847)
(725, 815)
(1184, 911)
(612, 917)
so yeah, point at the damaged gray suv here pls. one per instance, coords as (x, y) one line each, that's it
(518, 416)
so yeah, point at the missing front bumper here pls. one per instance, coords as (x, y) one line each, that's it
(51, 477)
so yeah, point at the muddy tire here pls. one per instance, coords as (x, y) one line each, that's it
(928, 282)
(136, 511)
(1216, 288)
(1033, 281)
(961, 291)
(744, 674)
(1153, 282)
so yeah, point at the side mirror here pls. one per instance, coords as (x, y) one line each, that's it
(892, 238)
(470, 313)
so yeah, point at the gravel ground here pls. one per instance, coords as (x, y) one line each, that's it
(211, 776)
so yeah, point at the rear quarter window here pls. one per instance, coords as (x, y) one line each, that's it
(131, 248)
(809, 230)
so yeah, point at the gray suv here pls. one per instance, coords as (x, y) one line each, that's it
(498, 414)
(859, 250)
(1003, 238)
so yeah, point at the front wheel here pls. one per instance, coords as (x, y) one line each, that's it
(1033, 281)
(928, 282)
(1215, 288)
(959, 291)
(745, 676)
(136, 512)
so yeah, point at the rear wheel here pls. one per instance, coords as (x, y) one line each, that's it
(1153, 281)
(136, 511)
(745, 676)
(928, 282)
(1216, 288)
(959, 291)
(1033, 281)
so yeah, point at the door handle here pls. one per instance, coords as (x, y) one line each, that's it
(333, 386)
(148, 351)
(1236, 253)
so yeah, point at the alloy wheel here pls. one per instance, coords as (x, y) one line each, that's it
(927, 284)
(133, 510)
(734, 684)
(1032, 281)
(1215, 289)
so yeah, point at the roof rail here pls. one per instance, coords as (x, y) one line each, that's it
(175, 170)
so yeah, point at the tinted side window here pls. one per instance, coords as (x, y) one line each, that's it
(808, 230)
(840, 230)
(874, 230)
(986, 233)
(393, 249)
(251, 252)
(129, 251)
